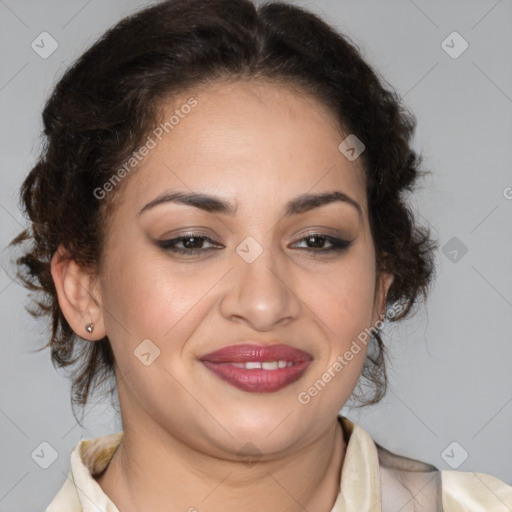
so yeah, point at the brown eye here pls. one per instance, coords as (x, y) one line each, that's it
(191, 244)
(324, 243)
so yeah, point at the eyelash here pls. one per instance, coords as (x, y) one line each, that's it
(337, 244)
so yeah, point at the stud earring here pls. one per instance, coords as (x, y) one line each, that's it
(89, 327)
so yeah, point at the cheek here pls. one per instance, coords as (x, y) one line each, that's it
(330, 385)
(153, 300)
(343, 297)
(147, 297)
(343, 300)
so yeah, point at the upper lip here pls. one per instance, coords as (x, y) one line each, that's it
(253, 352)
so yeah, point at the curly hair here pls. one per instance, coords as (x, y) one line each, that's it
(107, 102)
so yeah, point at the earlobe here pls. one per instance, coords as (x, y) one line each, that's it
(78, 298)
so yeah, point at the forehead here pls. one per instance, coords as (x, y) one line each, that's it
(245, 141)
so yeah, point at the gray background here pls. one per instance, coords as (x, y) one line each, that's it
(450, 372)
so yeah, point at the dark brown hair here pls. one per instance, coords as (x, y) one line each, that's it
(106, 103)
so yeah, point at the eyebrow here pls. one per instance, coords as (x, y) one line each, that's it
(214, 204)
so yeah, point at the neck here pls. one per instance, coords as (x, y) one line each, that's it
(146, 474)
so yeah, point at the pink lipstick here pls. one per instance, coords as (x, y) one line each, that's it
(258, 368)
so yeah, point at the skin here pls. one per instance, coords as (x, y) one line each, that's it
(257, 145)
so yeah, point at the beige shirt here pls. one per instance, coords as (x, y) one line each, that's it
(373, 479)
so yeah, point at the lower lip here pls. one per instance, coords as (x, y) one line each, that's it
(258, 380)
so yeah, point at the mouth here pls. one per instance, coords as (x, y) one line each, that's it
(257, 368)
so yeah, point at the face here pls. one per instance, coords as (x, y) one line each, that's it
(255, 264)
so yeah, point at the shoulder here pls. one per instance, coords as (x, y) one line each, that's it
(421, 486)
(408, 485)
(468, 491)
(88, 458)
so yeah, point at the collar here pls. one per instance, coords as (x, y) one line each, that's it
(359, 485)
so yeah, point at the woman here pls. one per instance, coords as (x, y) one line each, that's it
(218, 221)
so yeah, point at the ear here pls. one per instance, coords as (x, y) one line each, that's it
(383, 282)
(78, 298)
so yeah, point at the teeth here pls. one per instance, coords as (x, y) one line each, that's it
(266, 365)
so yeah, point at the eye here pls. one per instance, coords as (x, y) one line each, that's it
(317, 242)
(191, 244)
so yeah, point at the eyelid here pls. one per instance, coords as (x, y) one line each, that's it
(337, 244)
(166, 243)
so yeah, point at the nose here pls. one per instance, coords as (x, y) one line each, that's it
(261, 293)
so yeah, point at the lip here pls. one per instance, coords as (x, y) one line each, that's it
(257, 380)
